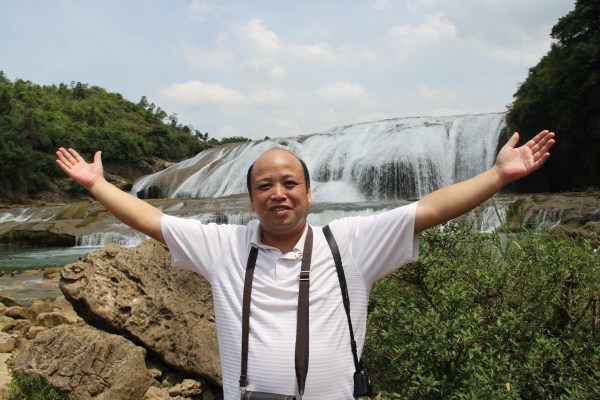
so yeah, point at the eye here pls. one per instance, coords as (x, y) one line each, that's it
(264, 187)
(290, 184)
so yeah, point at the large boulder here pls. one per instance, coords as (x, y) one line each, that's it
(86, 362)
(136, 292)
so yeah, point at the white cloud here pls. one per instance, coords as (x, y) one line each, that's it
(341, 92)
(435, 29)
(381, 4)
(215, 58)
(262, 39)
(429, 93)
(268, 95)
(196, 92)
(202, 9)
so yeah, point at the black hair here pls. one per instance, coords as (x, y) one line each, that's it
(304, 169)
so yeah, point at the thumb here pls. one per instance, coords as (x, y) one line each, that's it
(98, 157)
(514, 139)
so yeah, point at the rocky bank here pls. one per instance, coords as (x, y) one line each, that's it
(128, 327)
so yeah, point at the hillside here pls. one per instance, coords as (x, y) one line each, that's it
(135, 138)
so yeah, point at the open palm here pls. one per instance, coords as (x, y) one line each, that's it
(86, 174)
(516, 162)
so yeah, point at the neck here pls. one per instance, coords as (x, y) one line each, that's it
(285, 242)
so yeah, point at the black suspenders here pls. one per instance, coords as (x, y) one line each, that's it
(362, 383)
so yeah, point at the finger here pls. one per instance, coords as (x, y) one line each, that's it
(76, 156)
(546, 147)
(540, 137)
(63, 157)
(63, 166)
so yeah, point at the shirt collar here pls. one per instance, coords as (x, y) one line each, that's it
(257, 242)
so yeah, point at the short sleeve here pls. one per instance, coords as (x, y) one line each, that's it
(193, 245)
(383, 242)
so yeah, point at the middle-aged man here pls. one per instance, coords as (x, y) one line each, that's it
(371, 247)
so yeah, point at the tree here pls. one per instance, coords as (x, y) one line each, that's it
(561, 93)
(5, 102)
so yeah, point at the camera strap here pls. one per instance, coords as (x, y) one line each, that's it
(346, 298)
(302, 331)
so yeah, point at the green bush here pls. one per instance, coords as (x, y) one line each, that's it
(23, 387)
(484, 316)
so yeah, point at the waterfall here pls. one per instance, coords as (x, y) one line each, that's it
(403, 158)
(99, 239)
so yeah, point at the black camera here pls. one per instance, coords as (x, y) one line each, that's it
(362, 384)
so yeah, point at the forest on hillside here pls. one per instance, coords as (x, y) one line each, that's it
(35, 120)
(562, 93)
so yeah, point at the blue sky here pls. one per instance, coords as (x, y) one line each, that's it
(282, 68)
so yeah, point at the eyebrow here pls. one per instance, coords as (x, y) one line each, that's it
(267, 179)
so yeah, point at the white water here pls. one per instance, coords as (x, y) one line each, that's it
(403, 158)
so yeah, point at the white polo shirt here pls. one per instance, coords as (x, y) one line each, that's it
(371, 247)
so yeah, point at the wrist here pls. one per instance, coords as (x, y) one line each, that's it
(97, 185)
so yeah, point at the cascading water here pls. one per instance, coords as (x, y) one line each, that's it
(394, 159)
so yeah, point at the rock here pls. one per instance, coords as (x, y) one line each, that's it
(52, 272)
(34, 330)
(20, 326)
(155, 393)
(86, 362)
(208, 395)
(51, 319)
(20, 313)
(7, 343)
(41, 306)
(4, 320)
(136, 292)
(66, 309)
(9, 302)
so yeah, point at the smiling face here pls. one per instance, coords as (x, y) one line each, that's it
(280, 198)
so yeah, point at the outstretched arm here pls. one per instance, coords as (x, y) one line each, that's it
(129, 209)
(512, 163)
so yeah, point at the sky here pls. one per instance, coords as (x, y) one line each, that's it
(284, 68)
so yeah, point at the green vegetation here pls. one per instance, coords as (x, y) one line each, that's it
(35, 120)
(562, 93)
(484, 316)
(227, 140)
(22, 387)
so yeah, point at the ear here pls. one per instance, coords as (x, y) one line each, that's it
(251, 204)
(308, 196)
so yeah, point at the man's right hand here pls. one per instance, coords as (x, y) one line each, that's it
(86, 174)
(130, 210)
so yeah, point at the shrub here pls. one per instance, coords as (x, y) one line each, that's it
(489, 316)
(23, 387)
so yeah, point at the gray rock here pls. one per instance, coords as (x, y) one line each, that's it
(137, 293)
(86, 362)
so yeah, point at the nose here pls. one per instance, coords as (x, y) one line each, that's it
(278, 192)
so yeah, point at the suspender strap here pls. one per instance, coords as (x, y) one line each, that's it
(246, 313)
(342, 278)
(302, 338)
(302, 331)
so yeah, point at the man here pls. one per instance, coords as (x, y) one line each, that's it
(371, 247)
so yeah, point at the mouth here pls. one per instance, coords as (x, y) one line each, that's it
(280, 210)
